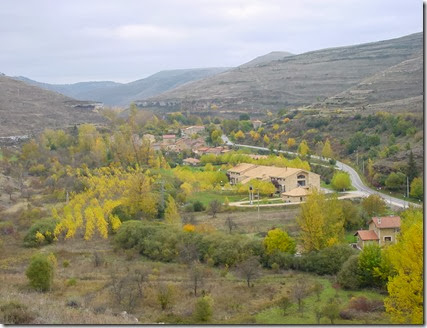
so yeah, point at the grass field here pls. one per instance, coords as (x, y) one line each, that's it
(205, 197)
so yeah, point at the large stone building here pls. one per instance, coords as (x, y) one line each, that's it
(284, 179)
(382, 231)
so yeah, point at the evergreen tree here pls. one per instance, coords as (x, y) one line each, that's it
(411, 170)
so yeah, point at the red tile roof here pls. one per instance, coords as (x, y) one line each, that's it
(169, 136)
(386, 222)
(367, 235)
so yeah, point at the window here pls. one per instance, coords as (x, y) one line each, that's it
(301, 176)
(387, 239)
(301, 183)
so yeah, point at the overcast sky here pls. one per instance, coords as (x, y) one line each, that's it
(63, 41)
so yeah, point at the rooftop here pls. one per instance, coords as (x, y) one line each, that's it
(367, 235)
(386, 222)
(297, 192)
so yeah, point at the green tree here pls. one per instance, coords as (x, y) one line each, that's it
(40, 272)
(203, 309)
(171, 211)
(405, 302)
(411, 169)
(395, 181)
(341, 181)
(374, 205)
(349, 277)
(279, 240)
(331, 311)
(417, 189)
(327, 150)
(284, 303)
(369, 259)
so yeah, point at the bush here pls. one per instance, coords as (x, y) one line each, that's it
(65, 264)
(198, 206)
(14, 313)
(6, 228)
(341, 181)
(203, 309)
(348, 277)
(40, 273)
(40, 233)
(71, 282)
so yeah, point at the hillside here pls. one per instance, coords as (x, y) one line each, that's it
(74, 90)
(274, 55)
(113, 94)
(396, 88)
(292, 81)
(27, 109)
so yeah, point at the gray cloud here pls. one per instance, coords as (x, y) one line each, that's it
(68, 41)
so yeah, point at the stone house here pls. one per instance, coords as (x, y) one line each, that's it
(298, 194)
(191, 161)
(256, 124)
(169, 139)
(382, 231)
(193, 130)
(284, 179)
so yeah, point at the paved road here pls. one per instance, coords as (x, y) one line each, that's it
(354, 176)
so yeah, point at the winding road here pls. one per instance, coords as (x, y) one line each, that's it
(354, 176)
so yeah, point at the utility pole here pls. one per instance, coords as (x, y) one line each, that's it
(407, 186)
(357, 158)
(250, 195)
(258, 204)
(363, 166)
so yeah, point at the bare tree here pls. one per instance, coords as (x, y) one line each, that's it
(165, 296)
(214, 207)
(249, 269)
(317, 288)
(299, 291)
(284, 304)
(197, 276)
(188, 252)
(230, 224)
(9, 190)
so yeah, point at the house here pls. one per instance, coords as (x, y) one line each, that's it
(193, 130)
(382, 231)
(284, 179)
(149, 137)
(298, 194)
(191, 161)
(256, 124)
(169, 139)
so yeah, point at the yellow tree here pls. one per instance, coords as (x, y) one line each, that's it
(321, 222)
(327, 150)
(405, 301)
(171, 212)
(278, 240)
(239, 135)
(291, 142)
(303, 148)
(266, 139)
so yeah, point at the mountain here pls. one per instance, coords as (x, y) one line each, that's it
(274, 55)
(293, 81)
(26, 109)
(112, 93)
(74, 90)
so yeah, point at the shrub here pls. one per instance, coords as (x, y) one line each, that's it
(198, 206)
(65, 264)
(14, 313)
(203, 309)
(40, 233)
(40, 272)
(362, 304)
(348, 277)
(6, 228)
(71, 282)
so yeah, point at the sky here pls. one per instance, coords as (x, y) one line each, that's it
(62, 41)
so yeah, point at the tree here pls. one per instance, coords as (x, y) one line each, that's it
(318, 288)
(349, 277)
(249, 269)
(291, 142)
(197, 276)
(406, 293)
(279, 240)
(318, 313)
(303, 148)
(369, 259)
(374, 205)
(203, 309)
(411, 169)
(171, 211)
(321, 222)
(284, 303)
(230, 224)
(299, 291)
(370, 169)
(165, 296)
(9, 189)
(331, 311)
(417, 189)
(327, 150)
(40, 272)
(352, 218)
(341, 181)
(266, 139)
(395, 181)
(239, 135)
(214, 207)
